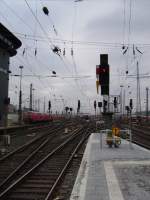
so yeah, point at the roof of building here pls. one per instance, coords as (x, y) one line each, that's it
(8, 40)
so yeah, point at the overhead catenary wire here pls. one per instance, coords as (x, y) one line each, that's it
(57, 33)
(69, 1)
(72, 50)
(42, 81)
(74, 42)
(35, 30)
(50, 93)
(29, 66)
(52, 45)
(60, 56)
(25, 61)
(32, 37)
(50, 19)
(40, 63)
(124, 20)
(16, 14)
(130, 20)
(8, 22)
(73, 31)
(49, 39)
(79, 42)
(23, 22)
(129, 32)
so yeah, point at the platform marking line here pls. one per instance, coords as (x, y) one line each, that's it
(132, 162)
(112, 182)
(79, 188)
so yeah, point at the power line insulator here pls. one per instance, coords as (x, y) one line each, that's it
(45, 10)
(35, 52)
(24, 50)
(53, 72)
(72, 51)
(78, 105)
(115, 102)
(95, 105)
(125, 51)
(133, 50)
(139, 51)
(55, 30)
(131, 104)
(123, 47)
(49, 105)
(64, 52)
(56, 50)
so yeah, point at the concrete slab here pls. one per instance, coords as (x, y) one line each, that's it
(113, 173)
(134, 180)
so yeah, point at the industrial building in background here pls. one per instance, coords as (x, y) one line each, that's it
(8, 46)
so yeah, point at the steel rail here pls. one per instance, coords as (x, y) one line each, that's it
(139, 140)
(141, 137)
(50, 193)
(58, 148)
(25, 145)
(28, 153)
(12, 129)
(141, 144)
(10, 176)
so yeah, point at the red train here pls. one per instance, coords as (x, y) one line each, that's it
(33, 117)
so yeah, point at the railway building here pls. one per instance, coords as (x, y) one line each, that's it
(9, 44)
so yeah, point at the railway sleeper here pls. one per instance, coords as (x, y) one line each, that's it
(36, 185)
(19, 196)
(32, 190)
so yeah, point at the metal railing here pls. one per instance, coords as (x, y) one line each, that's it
(122, 132)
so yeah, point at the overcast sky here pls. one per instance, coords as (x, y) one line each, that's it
(95, 27)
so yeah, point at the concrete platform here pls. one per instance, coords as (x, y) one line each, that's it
(113, 173)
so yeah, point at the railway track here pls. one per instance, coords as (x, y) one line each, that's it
(11, 162)
(141, 135)
(24, 128)
(39, 179)
(38, 132)
(31, 131)
(64, 187)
